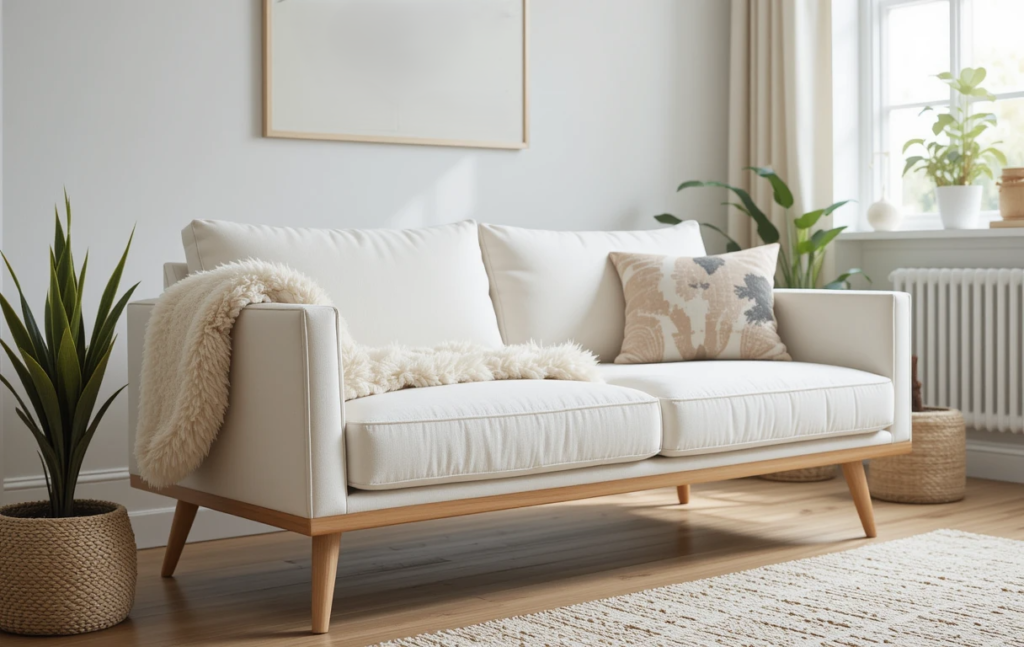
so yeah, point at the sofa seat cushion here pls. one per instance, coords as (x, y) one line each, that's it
(493, 430)
(718, 406)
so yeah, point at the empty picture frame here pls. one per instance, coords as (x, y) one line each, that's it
(434, 72)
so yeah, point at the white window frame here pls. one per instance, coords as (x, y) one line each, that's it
(876, 109)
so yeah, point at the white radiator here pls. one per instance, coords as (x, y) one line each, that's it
(967, 338)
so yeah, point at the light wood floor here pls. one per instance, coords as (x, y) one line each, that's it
(404, 580)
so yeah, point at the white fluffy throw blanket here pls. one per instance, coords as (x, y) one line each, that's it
(187, 357)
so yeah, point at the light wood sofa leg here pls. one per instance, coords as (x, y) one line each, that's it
(325, 569)
(858, 484)
(684, 494)
(184, 515)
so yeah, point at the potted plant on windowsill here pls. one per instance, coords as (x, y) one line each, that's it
(800, 260)
(955, 160)
(67, 565)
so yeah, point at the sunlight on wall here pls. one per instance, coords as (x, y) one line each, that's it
(452, 198)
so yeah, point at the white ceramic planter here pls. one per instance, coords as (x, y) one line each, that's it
(959, 206)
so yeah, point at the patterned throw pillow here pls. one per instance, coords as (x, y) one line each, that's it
(708, 307)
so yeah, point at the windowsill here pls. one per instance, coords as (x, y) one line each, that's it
(1011, 232)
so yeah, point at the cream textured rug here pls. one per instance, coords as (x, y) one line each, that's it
(186, 361)
(942, 588)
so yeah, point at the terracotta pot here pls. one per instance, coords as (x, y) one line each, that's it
(65, 576)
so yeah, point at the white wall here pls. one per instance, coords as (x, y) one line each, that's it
(149, 112)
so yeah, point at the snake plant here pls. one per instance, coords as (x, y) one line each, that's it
(802, 255)
(61, 367)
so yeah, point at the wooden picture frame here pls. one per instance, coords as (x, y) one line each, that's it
(274, 126)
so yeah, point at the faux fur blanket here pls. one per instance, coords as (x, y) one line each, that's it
(187, 357)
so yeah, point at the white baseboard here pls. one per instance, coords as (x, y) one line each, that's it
(150, 514)
(152, 526)
(996, 461)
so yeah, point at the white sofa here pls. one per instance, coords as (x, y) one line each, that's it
(292, 454)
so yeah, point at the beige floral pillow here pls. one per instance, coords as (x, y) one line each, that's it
(708, 307)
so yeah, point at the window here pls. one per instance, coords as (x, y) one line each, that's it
(913, 40)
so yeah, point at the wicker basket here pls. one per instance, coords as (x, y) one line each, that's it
(65, 576)
(935, 471)
(806, 475)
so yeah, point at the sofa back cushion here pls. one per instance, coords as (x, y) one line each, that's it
(418, 287)
(556, 286)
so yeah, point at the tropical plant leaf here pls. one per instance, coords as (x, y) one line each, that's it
(107, 332)
(842, 282)
(667, 218)
(22, 338)
(51, 363)
(739, 207)
(810, 219)
(75, 463)
(996, 153)
(110, 292)
(26, 381)
(782, 195)
(58, 234)
(69, 374)
(730, 245)
(941, 122)
(911, 161)
(50, 402)
(911, 143)
(88, 399)
(38, 341)
(819, 240)
(765, 229)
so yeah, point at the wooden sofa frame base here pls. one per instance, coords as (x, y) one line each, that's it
(326, 531)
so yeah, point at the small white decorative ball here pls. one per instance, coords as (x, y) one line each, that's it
(884, 216)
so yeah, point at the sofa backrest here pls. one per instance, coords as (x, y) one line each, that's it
(418, 287)
(556, 286)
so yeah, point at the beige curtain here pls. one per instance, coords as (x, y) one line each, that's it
(780, 105)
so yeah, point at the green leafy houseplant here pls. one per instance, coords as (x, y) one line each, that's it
(802, 254)
(956, 158)
(61, 367)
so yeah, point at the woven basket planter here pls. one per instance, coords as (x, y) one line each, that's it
(65, 576)
(806, 475)
(935, 471)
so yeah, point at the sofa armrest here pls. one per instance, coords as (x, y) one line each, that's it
(281, 445)
(865, 330)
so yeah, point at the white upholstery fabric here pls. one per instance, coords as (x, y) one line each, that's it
(418, 287)
(865, 330)
(174, 272)
(717, 406)
(489, 430)
(362, 501)
(281, 445)
(555, 286)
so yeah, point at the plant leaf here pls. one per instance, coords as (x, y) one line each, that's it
(42, 353)
(107, 332)
(88, 399)
(819, 240)
(110, 292)
(783, 196)
(69, 373)
(810, 219)
(667, 219)
(911, 142)
(842, 282)
(996, 153)
(765, 229)
(50, 402)
(731, 245)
